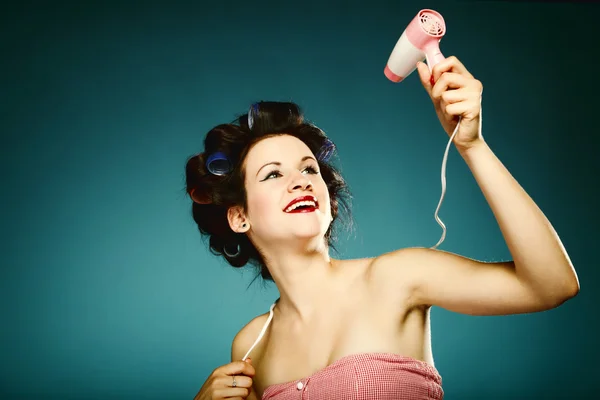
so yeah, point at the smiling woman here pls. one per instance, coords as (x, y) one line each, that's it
(265, 193)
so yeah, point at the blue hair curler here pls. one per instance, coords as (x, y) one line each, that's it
(218, 164)
(253, 110)
(326, 151)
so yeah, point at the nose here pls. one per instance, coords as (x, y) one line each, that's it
(300, 182)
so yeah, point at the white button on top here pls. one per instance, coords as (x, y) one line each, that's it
(300, 385)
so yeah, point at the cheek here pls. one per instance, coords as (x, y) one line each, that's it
(325, 196)
(260, 205)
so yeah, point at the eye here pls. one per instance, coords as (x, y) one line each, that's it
(276, 173)
(273, 174)
(311, 170)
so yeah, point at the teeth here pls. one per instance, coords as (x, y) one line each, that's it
(300, 203)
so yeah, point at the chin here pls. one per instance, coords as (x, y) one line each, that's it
(308, 234)
(307, 231)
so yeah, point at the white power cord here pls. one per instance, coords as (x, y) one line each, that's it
(444, 161)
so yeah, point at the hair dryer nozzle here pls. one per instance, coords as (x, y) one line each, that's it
(431, 22)
(419, 41)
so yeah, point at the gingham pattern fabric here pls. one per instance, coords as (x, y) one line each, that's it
(366, 376)
(363, 376)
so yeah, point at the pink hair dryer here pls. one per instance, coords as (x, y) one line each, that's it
(419, 41)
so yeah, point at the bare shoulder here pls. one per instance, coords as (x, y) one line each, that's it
(394, 275)
(243, 341)
(246, 337)
(404, 261)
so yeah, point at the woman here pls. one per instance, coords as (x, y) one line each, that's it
(356, 328)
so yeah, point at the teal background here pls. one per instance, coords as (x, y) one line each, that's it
(106, 289)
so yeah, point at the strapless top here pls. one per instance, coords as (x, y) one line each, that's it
(365, 376)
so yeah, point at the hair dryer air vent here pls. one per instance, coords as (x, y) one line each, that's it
(432, 23)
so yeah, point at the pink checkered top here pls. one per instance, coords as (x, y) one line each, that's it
(363, 376)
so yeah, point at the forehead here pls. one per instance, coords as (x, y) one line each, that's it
(276, 148)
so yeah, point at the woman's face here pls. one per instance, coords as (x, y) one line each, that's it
(286, 195)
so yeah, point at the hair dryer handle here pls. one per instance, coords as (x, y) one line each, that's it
(434, 59)
(433, 56)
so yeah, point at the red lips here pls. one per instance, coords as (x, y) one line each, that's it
(304, 207)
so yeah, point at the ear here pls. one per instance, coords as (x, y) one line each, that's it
(237, 219)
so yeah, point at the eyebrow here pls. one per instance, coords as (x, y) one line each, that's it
(279, 164)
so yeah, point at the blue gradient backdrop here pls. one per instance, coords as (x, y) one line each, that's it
(106, 290)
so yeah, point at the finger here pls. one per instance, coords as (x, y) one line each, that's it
(237, 368)
(231, 392)
(454, 96)
(237, 392)
(450, 64)
(449, 80)
(240, 381)
(424, 76)
(460, 108)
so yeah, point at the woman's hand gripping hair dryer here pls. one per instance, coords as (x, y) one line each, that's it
(419, 41)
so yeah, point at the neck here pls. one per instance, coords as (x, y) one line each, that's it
(303, 279)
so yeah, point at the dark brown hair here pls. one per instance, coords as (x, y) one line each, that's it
(213, 195)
